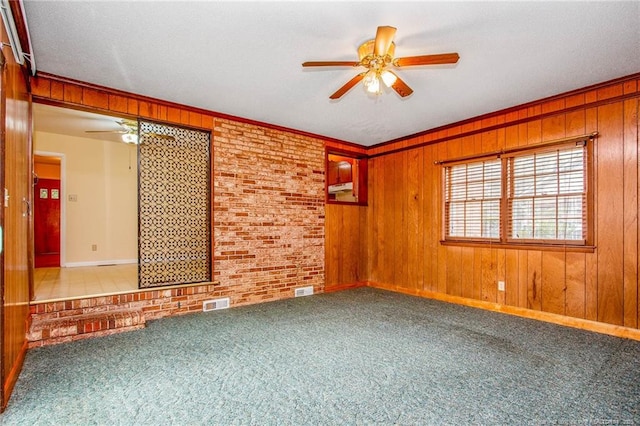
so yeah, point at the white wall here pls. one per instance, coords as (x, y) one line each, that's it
(102, 175)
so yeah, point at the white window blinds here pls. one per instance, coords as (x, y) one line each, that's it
(473, 193)
(547, 195)
(533, 195)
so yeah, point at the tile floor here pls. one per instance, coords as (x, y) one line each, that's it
(66, 283)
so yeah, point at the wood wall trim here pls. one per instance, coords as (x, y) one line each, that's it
(520, 149)
(15, 144)
(3, 119)
(541, 116)
(341, 287)
(579, 323)
(346, 144)
(23, 35)
(564, 248)
(528, 106)
(12, 377)
(45, 78)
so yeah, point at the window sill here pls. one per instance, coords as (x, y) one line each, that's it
(512, 246)
(346, 203)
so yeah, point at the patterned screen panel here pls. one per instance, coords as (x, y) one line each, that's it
(174, 205)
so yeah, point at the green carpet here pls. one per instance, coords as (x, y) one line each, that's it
(357, 357)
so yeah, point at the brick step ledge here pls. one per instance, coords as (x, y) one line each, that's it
(46, 330)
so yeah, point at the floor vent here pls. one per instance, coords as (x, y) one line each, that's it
(214, 305)
(304, 291)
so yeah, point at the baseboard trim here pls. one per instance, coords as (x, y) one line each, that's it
(583, 324)
(100, 263)
(12, 377)
(340, 287)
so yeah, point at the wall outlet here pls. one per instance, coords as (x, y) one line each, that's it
(500, 285)
(94, 247)
(73, 197)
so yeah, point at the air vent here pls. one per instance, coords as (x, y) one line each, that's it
(214, 305)
(304, 291)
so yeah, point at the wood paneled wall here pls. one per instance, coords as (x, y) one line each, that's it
(345, 233)
(15, 130)
(404, 216)
(395, 240)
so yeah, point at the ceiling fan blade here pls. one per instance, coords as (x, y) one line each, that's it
(443, 58)
(158, 136)
(384, 38)
(344, 89)
(400, 86)
(330, 64)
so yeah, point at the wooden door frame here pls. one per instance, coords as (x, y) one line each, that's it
(3, 397)
(63, 208)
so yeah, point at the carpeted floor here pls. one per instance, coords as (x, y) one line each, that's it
(356, 357)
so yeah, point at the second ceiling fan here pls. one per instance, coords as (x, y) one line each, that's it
(377, 56)
(129, 132)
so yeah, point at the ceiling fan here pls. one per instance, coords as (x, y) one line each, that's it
(129, 132)
(377, 56)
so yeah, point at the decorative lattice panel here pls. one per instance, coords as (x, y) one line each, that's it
(174, 205)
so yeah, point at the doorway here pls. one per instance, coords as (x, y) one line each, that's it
(134, 212)
(98, 204)
(46, 211)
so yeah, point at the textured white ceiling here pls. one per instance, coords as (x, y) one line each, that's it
(79, 124)
(244, 58)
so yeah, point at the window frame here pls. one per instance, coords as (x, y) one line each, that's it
(506, 160)
(446, 207)
(361, 184)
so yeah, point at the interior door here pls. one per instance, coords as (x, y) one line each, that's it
(46, 225)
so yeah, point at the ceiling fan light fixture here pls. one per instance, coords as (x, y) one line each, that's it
(372, 82)
(378, 54)
(130, 138)
(388, 78)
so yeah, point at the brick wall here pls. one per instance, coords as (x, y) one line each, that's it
(268, 225)
(69, 320)
(268, 217)
(268, 211)
(268, 189)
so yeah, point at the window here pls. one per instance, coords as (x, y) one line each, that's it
(546, 196)
(473, 199)
(532, 196)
